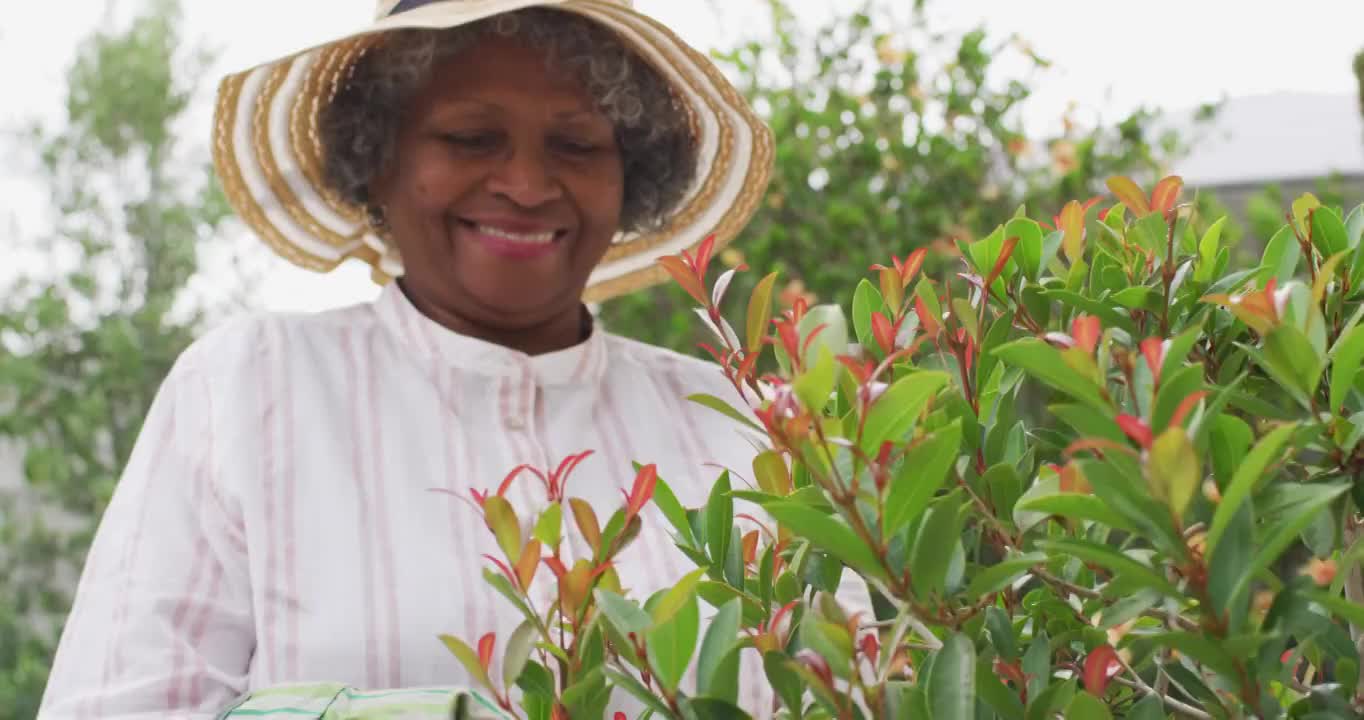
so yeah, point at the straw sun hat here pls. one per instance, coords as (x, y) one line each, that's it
(269, 156)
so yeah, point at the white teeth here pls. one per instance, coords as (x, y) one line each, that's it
(529, 239)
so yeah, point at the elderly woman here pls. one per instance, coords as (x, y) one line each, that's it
(506, 161)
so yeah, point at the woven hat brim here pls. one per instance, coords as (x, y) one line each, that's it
(269, 157)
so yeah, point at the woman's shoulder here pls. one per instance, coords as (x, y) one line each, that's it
(244, 341)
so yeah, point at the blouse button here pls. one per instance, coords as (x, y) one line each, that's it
(515, 422)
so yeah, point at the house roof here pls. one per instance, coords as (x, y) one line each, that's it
(1274, 138)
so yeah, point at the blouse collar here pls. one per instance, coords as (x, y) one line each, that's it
(423, 337)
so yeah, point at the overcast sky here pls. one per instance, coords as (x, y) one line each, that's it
(1109, 57)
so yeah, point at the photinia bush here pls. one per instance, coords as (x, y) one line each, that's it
(1098, 472)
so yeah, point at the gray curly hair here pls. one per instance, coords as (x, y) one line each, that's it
(359, 126)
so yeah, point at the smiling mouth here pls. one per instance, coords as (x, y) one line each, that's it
(520, 238)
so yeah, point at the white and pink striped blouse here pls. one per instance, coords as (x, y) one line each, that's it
(276, 524)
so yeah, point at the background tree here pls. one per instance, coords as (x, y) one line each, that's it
(97, 315)
(890, 137)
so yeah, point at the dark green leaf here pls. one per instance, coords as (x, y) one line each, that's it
(1250, 476)
(672, 643)
(941, 530)
(1046, 364)
(923, 471)
(952, 682)
(719, 521)
(724, 408)
(999, 575)
(717, 674)
(828, 534)
(894, 413)
(1120, 564)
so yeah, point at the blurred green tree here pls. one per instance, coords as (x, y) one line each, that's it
(893, 136)
(93, 315)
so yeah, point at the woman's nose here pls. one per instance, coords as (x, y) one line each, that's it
(524, 176)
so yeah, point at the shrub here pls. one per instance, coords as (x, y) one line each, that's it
(1126, 552)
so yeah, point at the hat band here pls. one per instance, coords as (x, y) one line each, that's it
(406, 5)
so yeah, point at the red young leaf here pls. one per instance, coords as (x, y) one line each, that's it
(556, 566)
(790, 339)
(892, 290)
(703, 256)
(883, 331)
(641, 492)
(871, 647)
(1071, 222)
(818, 665)
(1165, 194)
(927, 322)
(525, 567)
(1087, 330)
(503, 567)
(913, 264)
(1101, 666)
(685, 277)
(1005, 252)
(1010, 671)
(1186, 407)
(1153, 349)
(861, 371)
(485, 650)
(1137, 429)
(1129, 194)
(750, 545)
(810, 339)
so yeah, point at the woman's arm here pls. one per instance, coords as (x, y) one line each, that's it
(161, 623)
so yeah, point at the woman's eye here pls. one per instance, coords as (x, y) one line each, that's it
(471, 141)
(574, 146)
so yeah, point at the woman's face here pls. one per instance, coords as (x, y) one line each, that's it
(505, 191)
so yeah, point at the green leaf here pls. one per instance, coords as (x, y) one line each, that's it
(1073, 505)
(1250, 475)
(922, 472)
(1346, 356)
(929, 559)
(1207, 252)
(1124, 493)
(1120, 564)
(834, 336)
(517, 653)
(1328, 232)
(1294, 358)
(672, 643)
(625, 615)
(967, 316)
(719, 520)
(827, 534)
(1204, 649)
(717, 673)
(1001, 630)
(633, 686)
(894, 413)
(1228, 440)
(1001, 574)
(759, 312)
(1227, 562)
(676, 597)
(952, 681)
(785, 683)
(549, 528)
(1173, 470)
(866, 300)
(724, 408)
(1139, 297)
(1283, 533)
(1087, 707)
(707, 708)
(815, 386)
(1028, 252)
(1351, 613)
(672, 509)
(1037, 664)
(468, 658)
(505, 526)
(1281, 257)
(996, 695)
(1354, 226)
(1173, 391)
(830, 640)
(1088, 422)
(1045, 363)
